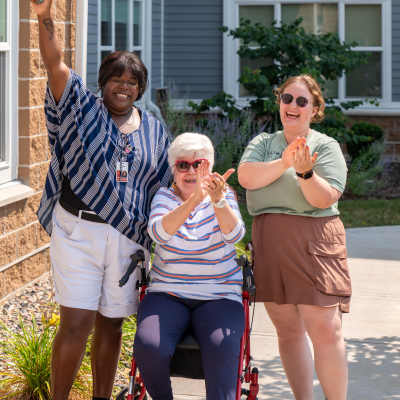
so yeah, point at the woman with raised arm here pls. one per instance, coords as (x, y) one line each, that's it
(108, 160)
(294, 179)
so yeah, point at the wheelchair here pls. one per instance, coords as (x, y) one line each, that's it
(186, 361)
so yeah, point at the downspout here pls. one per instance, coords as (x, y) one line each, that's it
(150, 105)
(81, 38)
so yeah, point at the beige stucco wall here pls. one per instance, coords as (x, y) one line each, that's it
(23, 243)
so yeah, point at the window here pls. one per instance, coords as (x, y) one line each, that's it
(8, 89)
(369, 36)
(366, 22)
(121, 26)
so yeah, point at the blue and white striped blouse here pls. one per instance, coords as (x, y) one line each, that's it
(198, 262)
(86, 145)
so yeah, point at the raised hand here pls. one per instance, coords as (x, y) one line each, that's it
(202, 173)
(228, 173)
(41, 7)
(216, 184)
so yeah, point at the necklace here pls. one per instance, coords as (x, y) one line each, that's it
(127, 124)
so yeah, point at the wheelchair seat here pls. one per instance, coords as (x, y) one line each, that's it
(186, 361)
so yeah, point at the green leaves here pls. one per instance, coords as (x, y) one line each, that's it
(225, 102)
(278, 53)
(28, 355)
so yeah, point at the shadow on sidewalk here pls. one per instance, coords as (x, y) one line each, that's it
(374, 368)
(277, 386)
(374, 372)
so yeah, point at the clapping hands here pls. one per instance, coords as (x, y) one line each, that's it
(212, 184)
(216, 184)
(297, 155)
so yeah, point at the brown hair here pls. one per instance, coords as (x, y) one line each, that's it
(116, 63)
(314, 89)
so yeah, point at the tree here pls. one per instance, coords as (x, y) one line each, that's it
(287, 50)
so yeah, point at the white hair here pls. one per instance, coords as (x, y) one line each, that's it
(190, 145)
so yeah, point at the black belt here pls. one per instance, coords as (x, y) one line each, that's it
(83, 214)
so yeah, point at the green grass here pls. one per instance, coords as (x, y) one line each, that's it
(374, 212)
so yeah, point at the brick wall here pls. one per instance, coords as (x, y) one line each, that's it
(23, 243)
(391, 127)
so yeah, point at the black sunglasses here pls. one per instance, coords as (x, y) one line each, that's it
(287, 98)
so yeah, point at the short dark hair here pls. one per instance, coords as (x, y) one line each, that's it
(116, 63)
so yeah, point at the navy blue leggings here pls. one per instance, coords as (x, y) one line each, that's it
(217, 325)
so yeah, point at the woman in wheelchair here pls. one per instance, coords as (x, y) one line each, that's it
(195, 281)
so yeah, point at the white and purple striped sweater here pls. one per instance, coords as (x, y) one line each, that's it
(198, 262)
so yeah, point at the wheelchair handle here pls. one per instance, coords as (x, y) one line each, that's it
(137, 257)
(248, 277)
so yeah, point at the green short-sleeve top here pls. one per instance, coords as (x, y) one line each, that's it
(284, 195)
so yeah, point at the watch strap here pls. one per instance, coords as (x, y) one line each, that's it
(220, 203)
(305, 175)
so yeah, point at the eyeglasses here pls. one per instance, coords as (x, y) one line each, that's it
(287, 98)
(184, 166)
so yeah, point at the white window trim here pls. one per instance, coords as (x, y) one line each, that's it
(147, 43)
(162, 61)
(81, 38)
(231, 59)
(8, 168)
(146, 33)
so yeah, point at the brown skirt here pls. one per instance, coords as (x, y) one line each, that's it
(301, 260)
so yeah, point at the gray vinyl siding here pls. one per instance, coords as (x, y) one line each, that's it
(156, 50)
(396, 50)
(193, 54)
(92, 45)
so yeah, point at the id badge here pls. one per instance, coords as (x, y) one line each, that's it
(122, 171)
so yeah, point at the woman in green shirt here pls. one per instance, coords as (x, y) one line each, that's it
(294, 179)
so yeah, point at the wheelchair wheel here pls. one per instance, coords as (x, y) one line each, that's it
(123, 393)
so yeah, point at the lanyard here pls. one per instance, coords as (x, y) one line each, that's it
(122, 165)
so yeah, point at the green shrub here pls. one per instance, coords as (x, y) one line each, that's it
(229, 136)
(364, 171)
(27, 353)
(225, 102)
(367, 134)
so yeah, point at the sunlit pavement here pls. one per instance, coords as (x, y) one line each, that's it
(372, 329)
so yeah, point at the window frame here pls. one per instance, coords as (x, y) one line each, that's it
(146, 46)
(231, 46)
(8, 168)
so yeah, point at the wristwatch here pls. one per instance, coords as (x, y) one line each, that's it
(305, 175)
(220, 203)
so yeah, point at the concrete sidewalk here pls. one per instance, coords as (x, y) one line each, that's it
(372, 329)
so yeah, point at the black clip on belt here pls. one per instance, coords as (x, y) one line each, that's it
(135, 258)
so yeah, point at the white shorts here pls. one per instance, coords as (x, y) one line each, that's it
(88, 259)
